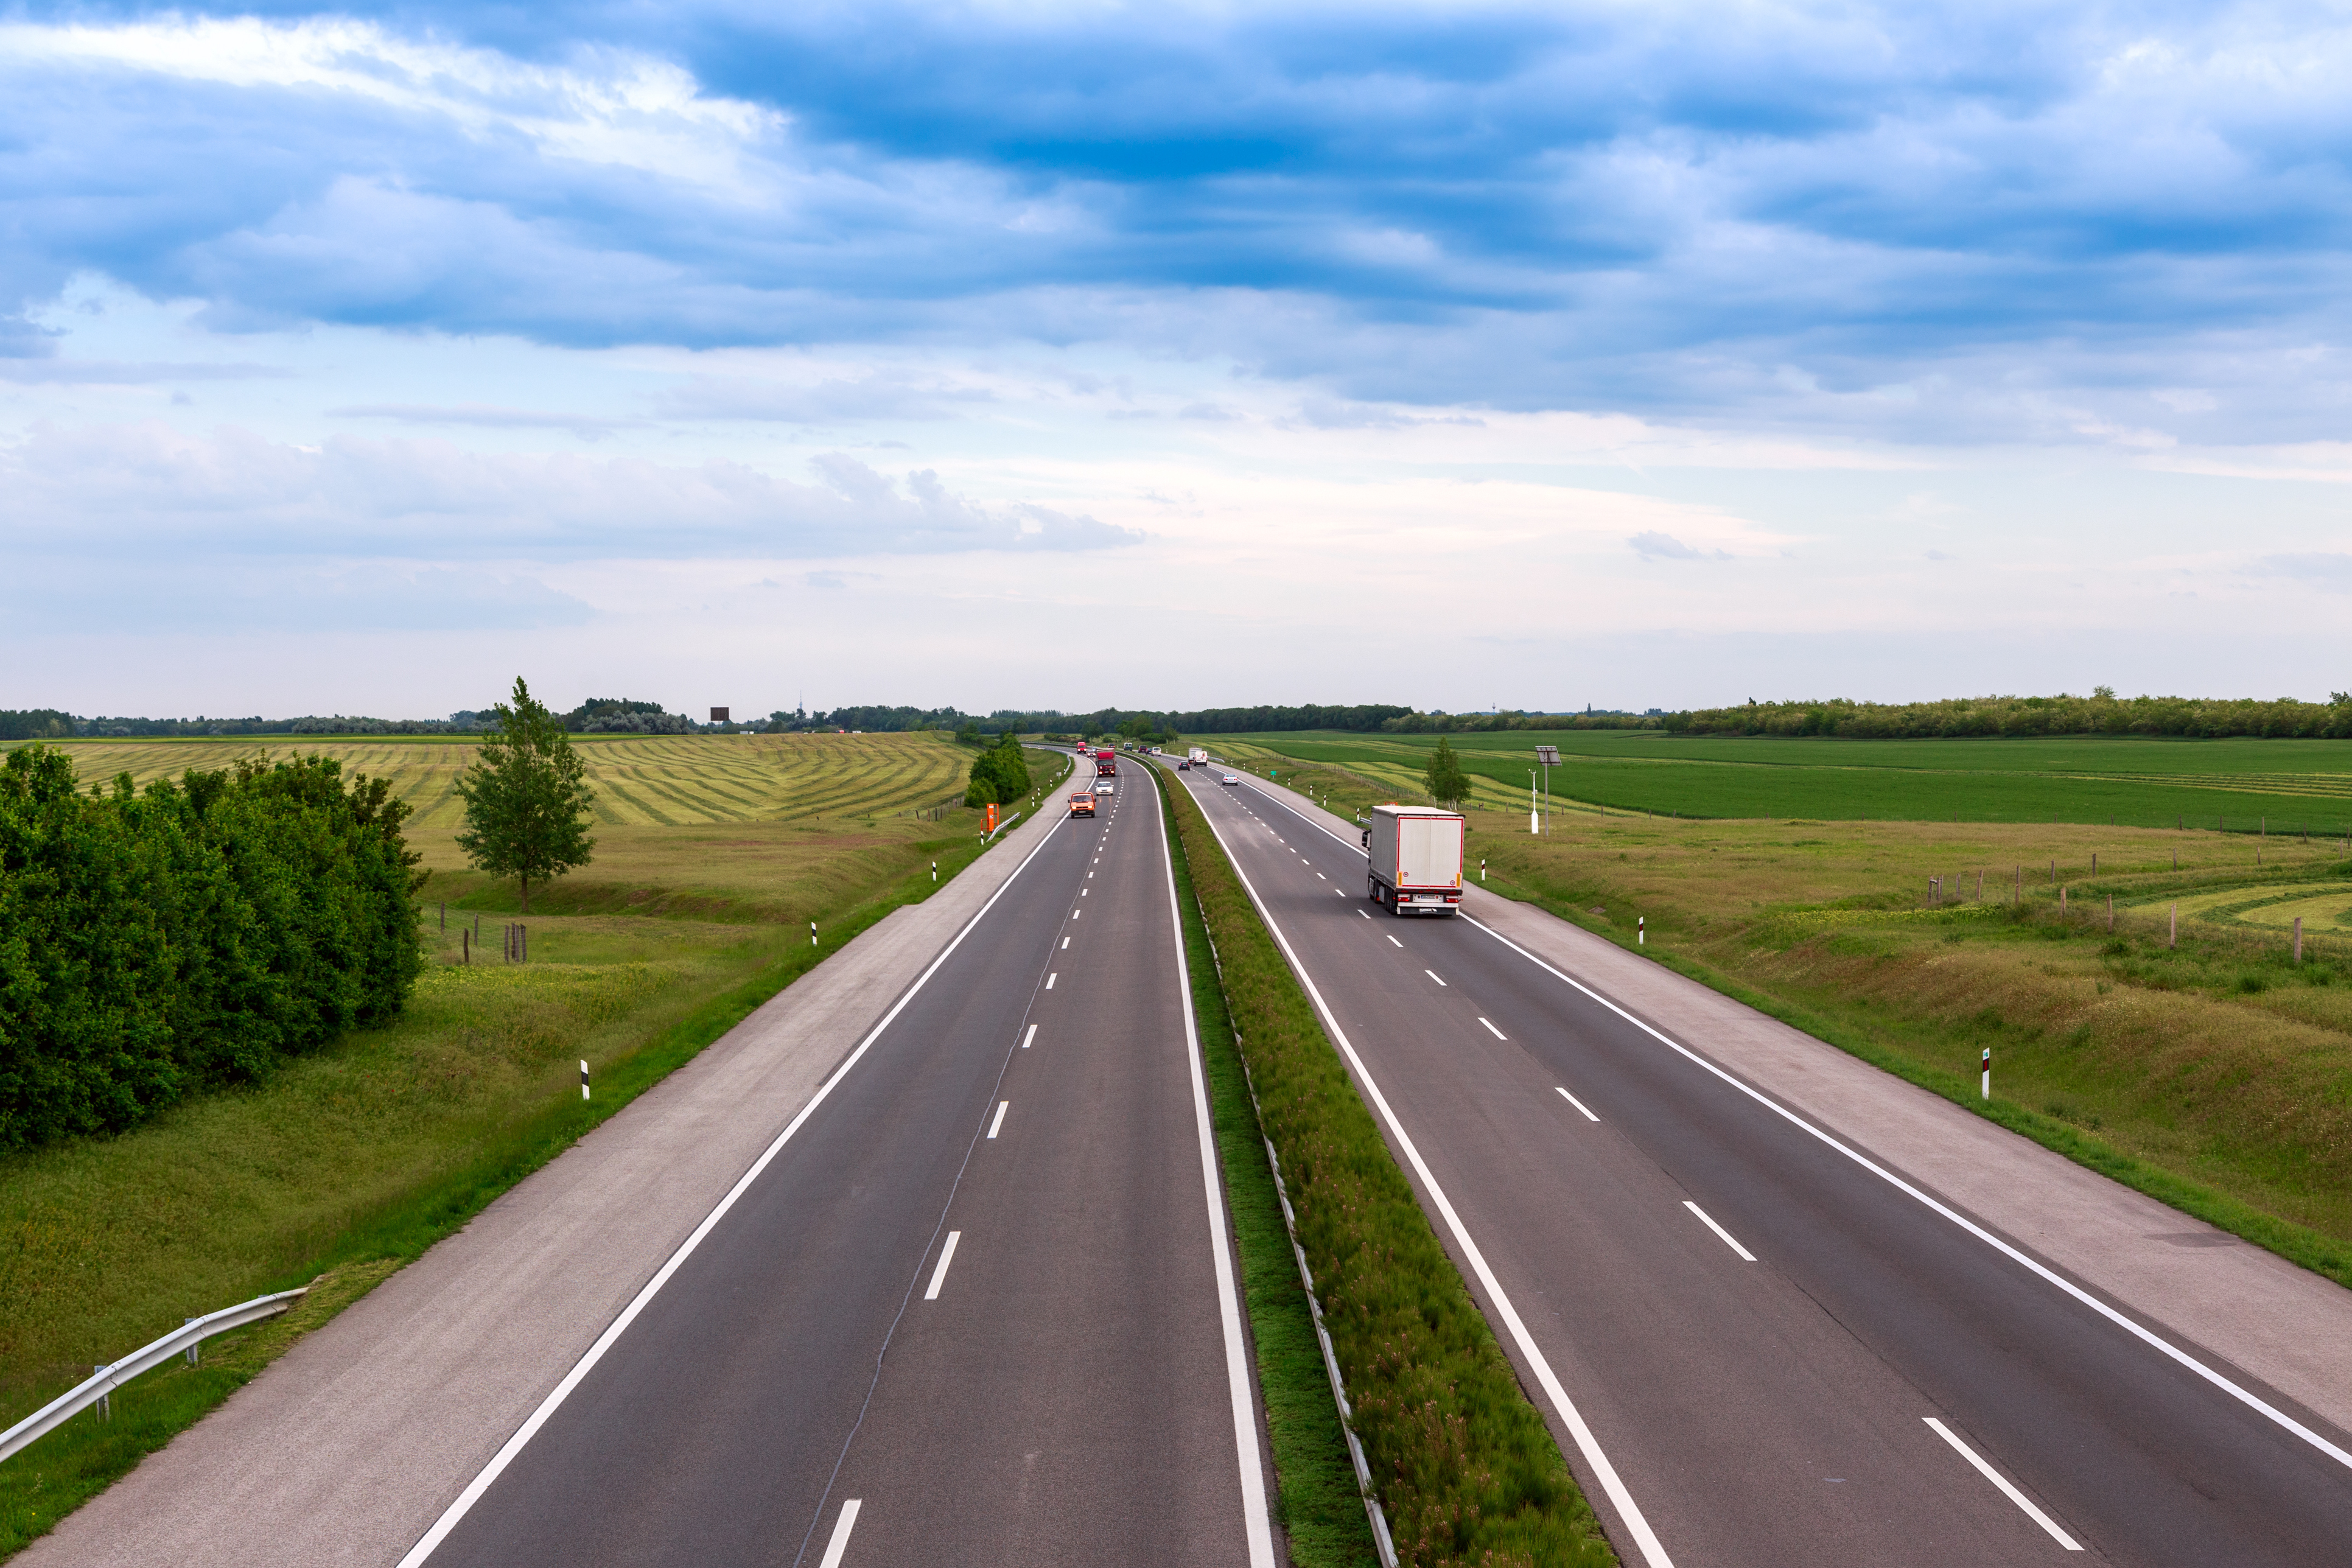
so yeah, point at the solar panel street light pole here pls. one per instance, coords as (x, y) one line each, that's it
(1549, 757)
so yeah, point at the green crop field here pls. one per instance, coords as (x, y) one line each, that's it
(664, 781)
(2290, 786)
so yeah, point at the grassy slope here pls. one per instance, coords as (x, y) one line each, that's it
(2151, 782)
(1319, 1510)
(2216, 1076)
(1465, 1468)
(361, 1156)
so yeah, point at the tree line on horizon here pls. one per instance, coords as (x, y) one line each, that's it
(2100, 713)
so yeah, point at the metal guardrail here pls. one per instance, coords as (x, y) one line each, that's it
(105, 1380)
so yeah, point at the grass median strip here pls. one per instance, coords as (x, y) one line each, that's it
(1322, 1514)
(351, 1162)
(1464, 1464)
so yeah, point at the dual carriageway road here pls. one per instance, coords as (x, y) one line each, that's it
(973, 1298)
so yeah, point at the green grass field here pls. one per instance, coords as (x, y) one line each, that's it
(664, 781)
(2290, 786)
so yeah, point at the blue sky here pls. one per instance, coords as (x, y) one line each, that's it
(1455, 354)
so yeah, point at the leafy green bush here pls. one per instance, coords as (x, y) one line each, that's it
(155, 943)
(998, 774)
(1464, 1465)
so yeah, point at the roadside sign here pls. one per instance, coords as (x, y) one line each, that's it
(1548, 756)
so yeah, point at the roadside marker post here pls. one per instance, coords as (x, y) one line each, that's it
(1641, 931)
(1987, 1087)
(583, 1080)
(811, 933)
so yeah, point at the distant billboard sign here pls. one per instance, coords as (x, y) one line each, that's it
(718, 715)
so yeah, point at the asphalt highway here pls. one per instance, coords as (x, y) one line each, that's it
(1755, 1348)
(977, 1306)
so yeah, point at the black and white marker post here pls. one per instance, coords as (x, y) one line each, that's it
(583, 1080)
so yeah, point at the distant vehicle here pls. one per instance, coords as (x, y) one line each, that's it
(1106, 764)
(1416, 859)
(1182, 763)
(1197, 756)
(1104, 786)
(1082, 805)
(1230, 779)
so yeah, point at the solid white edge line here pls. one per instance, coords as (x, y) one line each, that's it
(939, 1275)
(1576, 1102)
(2008, 1490)
(997, 1125)
(1029, 1037)
(1653, 1551)
(490, 1472)
(1492, 1030)
(840, 1541)
(1255, 1524)
(2148, 1337)
(1708, 1220)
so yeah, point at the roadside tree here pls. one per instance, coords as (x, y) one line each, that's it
(998, 774)
(1447, 783)
(527, 811)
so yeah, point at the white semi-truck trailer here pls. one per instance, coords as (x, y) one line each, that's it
(1416, 859)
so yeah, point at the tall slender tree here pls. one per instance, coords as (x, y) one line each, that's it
(527, 811)
(1447, 783)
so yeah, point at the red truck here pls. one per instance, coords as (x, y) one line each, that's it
(1106, 764)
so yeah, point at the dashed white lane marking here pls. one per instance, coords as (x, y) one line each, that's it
(1083, 892)
(1066, 944)
(1032, 1034)
(2010, 1492)
(939, 1275)
(1577, 1103)
(996, 1126)
(1433, 974)
(840, 1541)
(1075, 913)
(1494, 1031)
(1724, 1235)
(1395, 940)
(1366, 913)
(1049, 980)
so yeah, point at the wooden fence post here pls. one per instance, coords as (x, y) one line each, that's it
(2298, 939)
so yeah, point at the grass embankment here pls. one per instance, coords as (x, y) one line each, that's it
(1464, 1464)
(2130, 780)
(1319, 1507)
(2215, 1075)
(356, 1158)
